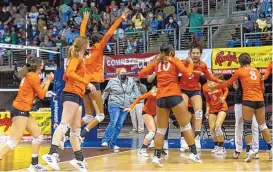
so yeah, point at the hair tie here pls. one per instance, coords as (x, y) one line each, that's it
(27, 64)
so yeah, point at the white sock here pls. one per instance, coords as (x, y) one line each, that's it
(34, 155)
(86, 129)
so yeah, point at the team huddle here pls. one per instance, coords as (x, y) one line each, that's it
(84, 73)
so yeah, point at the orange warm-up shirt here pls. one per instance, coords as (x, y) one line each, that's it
(213, 98)
(150, 105)
(95, 61)
(193, 82)
(251, 82)
(28, 89)
(167, 76)
(268, 71)
(75, 77)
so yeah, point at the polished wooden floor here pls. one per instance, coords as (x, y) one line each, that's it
(99, 159)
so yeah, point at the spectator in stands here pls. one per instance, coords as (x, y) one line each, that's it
(57, 23)
(33, 15)
(196, 22)
(247, 25)
(268, 10)
(138, 19)
(254, 13)
(8, 36)
(42, 15)
(176, 19)
(151, 22)
(5, 16)
(261, 21)
(130, 5)
(160, 16)
(72, 35)
(20, 39)
(12, 9)
(65, 13)
(19, 21)
(113, 6)
(22, 9)
(33, 32)
(267, 36)
(120, 90)
(141, 5)
(172, 25)
(106, 16)
(85, 8)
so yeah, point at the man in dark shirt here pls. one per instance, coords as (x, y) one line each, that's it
(239, 125)
(5, 16)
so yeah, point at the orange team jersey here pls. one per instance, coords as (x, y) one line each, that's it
(213, 98)
(75, 77)
(268, 71)
(167, 76)
(193, 82)
(150, 105)
(251, 82)
(94, 61)
(28, 89)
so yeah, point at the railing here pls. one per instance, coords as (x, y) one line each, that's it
(240, 6)
(209, 8)
(157, 37)
(186, 33)
(258, 39)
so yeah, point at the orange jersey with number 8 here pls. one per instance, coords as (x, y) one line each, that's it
(213, 98)
(252, 85)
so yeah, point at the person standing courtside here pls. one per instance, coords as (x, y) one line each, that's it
(136, 113)
(239, 124)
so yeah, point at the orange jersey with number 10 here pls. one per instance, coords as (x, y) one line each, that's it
(167, 76)
(193, 82)
(251, 82)
(213, 98)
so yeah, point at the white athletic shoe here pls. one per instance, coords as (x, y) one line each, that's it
(215, 149)
(195, 158)
(142, 153)
(36, 168)
(183, 145)
(221, 151)
(249, 156)
(157, 162)
(152, 144)
(270, 153)
(198, 143)
(104, 144)
(52, 160)
(116, 147)
(256, 155)
(80, 165)
(166, 145)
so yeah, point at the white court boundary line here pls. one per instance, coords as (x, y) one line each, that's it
(25, 169)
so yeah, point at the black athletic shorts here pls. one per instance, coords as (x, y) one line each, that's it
(96, 84)
(190, 93)
(253, 104)
(216, 113)
(15, 112)
(169, 102)
(66, 96)
(191, 110)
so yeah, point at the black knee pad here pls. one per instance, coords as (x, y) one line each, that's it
(247, 127)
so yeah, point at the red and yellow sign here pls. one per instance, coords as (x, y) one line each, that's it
(43, 119)
(225, 60)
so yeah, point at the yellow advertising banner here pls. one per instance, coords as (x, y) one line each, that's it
(42, 118)
(225, 60)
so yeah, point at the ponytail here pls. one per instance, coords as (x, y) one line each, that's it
(23, 71)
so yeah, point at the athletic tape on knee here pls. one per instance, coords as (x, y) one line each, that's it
(199, 114)
(150, 136)
(219, 132)
(63, 127)
(187, 127)
(37, 140)
(100, 117)
(11, 144)
(76, 133)
(87, 118)
(262, 127)
(161, 131)
(247, 127)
